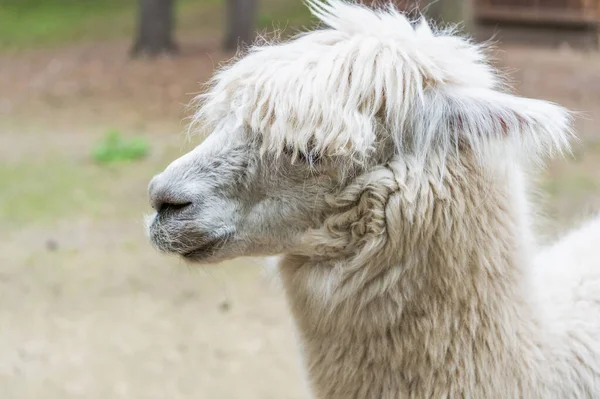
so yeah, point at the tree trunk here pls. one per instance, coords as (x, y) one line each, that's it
(155, 28)
(241, 17)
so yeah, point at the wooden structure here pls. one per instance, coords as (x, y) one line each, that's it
(575, 22)
(542, 12)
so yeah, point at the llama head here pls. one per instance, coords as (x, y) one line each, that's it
(294, 122)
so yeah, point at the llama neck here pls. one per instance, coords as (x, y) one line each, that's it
(427, 297)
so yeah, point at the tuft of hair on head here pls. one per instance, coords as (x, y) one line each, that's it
(365, 72)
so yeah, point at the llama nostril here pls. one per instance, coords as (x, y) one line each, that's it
(165, 198)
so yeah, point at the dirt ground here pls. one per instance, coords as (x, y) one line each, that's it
(89, 310)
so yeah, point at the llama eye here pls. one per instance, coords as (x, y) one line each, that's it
(311, 157)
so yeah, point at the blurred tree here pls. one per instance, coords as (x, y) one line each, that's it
(155, 28)
(241, 19)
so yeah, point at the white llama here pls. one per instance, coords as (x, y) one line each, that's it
(385, 161)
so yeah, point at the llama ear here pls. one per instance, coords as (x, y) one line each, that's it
(476, 116)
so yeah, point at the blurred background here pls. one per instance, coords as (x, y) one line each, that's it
(93, 98)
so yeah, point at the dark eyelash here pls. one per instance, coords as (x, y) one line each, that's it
(311, 158)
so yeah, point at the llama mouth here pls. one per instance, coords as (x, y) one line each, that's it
(206, 249)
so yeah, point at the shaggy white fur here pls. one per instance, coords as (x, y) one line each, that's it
(566, 276)
(409, 260)
(331, 90)
(418, 289)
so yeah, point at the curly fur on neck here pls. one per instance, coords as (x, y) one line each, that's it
(418, 287)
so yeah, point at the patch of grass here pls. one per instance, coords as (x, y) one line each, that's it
(57, 187)
(573, 188)
(26, 24)
(42, 23)
(571, 185)
(114, 148)
(288, 16)
(47, 190)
